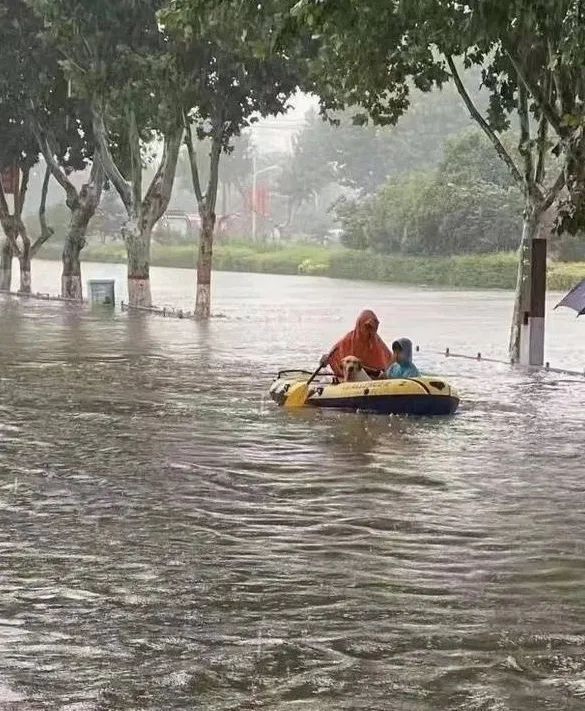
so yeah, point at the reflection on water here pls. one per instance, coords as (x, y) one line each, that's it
(170, 540)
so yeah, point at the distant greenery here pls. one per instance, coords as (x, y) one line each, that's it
(487, 271)
(468, 205)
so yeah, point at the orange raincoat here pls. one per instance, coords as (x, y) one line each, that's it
(363, 343)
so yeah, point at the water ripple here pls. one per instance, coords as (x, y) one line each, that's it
(171, 540)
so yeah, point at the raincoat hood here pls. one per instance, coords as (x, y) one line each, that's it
(363, 343)
(405, 345)
(365, 319)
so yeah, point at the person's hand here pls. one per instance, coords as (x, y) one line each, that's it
(324, 360)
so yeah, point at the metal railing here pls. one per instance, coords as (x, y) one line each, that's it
(164, 311)
(448, 353)
(42, 297)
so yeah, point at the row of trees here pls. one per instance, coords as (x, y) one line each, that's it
(99, 82)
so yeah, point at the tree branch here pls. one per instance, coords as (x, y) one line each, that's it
(556, 79)
(159, 191)
(524, 147)
(539, 97)
(119, 182)
(46, 231)
(97, 176)
(173, 141)
(214, 156)
(4, 209)
(485, 127)
(135, 158)
(192, 160)
(20, 197)
(540, 173)
(56, 170)
(553, 192)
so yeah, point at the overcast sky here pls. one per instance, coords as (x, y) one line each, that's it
(275, 134)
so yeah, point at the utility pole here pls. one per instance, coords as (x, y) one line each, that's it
(254, 188)
(533, 312)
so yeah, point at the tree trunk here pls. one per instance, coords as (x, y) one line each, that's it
(81, 214)
(25, 271)
(6, 254)
(530, 230)
(71, 287)
(24, 260)
(144, 213)
(204, 264)
(71, 276)
(137, 241)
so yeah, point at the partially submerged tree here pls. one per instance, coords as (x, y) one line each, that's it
(144, 209)
(235, 71)
(531, 53)
(41, 118)
(18, 154)
(18, 149)
(18, 243)
(64, 151)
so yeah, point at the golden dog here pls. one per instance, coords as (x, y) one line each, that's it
(353, 371)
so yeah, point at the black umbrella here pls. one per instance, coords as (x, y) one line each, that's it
(575, 299)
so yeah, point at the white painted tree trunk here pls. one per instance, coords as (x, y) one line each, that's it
(24, 261)
(204, 267)
(25, 274)
(137, 239)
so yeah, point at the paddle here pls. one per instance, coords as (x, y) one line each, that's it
(298, 393)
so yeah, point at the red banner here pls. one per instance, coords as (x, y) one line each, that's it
(260, 201)
(10, 178)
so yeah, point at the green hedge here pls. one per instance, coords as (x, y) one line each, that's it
(487, 271)
(493, 271)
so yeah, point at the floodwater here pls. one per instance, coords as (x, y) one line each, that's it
(170, 540)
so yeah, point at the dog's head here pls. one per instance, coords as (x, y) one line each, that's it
(351, 367)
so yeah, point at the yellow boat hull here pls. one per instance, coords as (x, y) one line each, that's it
(417, 396)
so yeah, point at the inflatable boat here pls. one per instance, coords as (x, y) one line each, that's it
(422, 396)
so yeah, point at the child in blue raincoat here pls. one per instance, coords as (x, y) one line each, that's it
(403, 367)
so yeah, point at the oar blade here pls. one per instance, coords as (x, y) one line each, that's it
(297, 395)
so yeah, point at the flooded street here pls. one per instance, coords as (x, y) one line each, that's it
(171, 540)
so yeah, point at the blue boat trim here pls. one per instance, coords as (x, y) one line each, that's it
(391, 404)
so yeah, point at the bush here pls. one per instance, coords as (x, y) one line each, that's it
(422, 214)
(469, 205)
(563, 277)
(485, 271)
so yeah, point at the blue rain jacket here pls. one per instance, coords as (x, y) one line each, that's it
(407, 369)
